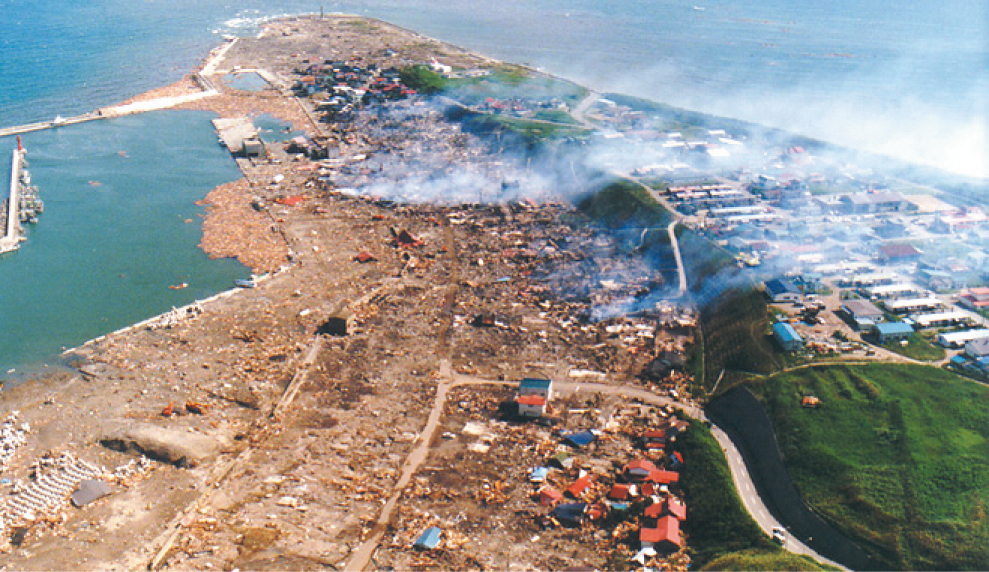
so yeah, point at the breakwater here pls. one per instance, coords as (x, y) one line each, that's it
(11, 225)
(57, 122)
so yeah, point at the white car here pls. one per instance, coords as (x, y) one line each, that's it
(779, 535)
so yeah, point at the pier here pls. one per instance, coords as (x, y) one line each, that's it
(57, 122)
(11, 239)
(10, 209)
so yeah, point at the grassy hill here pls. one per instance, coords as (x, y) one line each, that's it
(720, 533)
(897, 457)
(756, 559)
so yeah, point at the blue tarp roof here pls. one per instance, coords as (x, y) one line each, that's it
(580, 439)
(570, 512)
(539, 473)
(786, 332)
(429, 539)
(887, 328)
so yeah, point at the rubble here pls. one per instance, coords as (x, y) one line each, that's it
(495, 276)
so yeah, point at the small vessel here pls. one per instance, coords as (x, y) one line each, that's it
(179, 286)
(245, 283)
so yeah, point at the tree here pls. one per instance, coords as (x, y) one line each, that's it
(423, 79)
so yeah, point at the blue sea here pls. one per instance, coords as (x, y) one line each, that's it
(908, 79)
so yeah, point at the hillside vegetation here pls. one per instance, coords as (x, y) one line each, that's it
(720, 532)
(756, 559)
(897, 457)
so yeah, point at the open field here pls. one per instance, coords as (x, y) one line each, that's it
(917, 347)
(755, 559)
(896, 457)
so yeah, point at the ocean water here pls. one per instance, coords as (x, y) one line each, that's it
(120, 226)
(908, 79)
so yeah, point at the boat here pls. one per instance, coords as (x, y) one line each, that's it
(250, 282)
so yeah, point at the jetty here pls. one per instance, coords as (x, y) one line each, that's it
(22, 203)
(11, 239)
(57, 122)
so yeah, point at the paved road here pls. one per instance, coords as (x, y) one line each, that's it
(753, 502)
(580, 110)
(681, 271)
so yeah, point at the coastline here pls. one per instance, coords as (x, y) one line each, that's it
(250, 356)
(121, 376)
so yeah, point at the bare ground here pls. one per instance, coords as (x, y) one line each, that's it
(308, 450)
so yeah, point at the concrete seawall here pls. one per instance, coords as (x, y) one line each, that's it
(10, 240)
(27, 128)
(202, 78)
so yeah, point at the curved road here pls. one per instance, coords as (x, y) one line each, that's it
(740, 475)
(581, 108)
(743, 482)
(681, 271)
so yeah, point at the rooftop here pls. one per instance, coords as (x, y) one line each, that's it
(786, 332)
(893, 328)
(862, 308)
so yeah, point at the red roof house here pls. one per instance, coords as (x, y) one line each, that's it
(899, 252)
(654, 439)
(664, 537)
(597, 511)
(639, 470)
(531, 405)
(621, 492)
(668, 506)
(548, 496)
(975, 298)
(662, 477)
(580, 485)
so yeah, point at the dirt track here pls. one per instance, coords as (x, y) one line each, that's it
(302, 484)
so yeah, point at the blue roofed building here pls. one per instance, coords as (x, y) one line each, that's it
(541, 387)
(781, 290)
(429, 539)
(570, 514)
(892, 331)
(539, 474)
(579, 439)
(787, 337)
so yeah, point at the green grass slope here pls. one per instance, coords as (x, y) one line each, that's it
(897, 457)
(717, 524)
(756, 559)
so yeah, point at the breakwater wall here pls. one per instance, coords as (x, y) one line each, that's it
(57, 122)
(10, 240)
